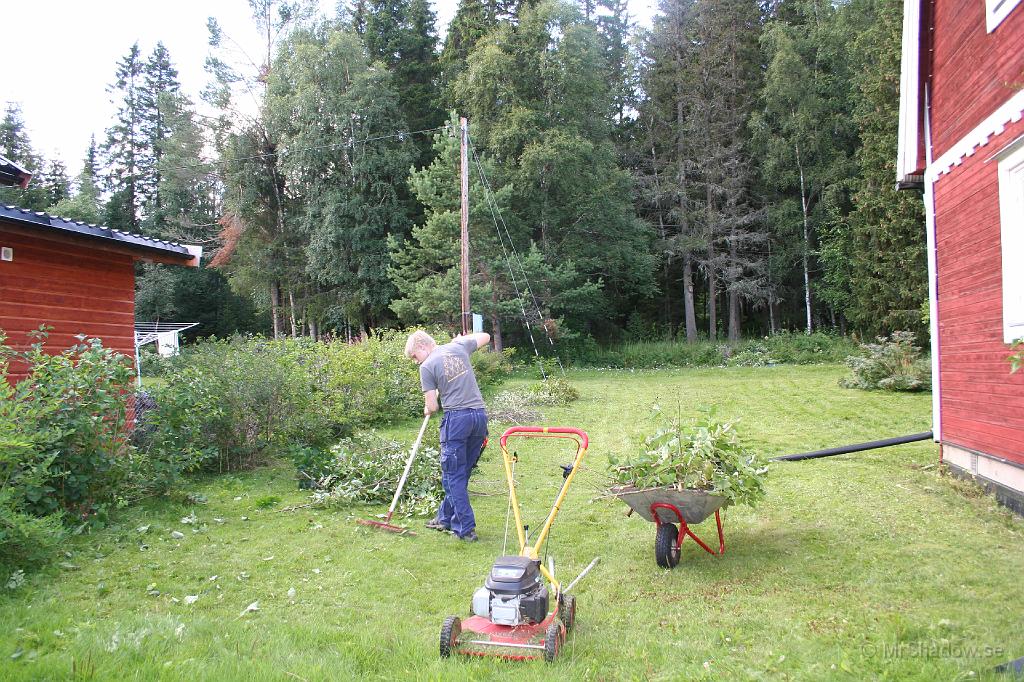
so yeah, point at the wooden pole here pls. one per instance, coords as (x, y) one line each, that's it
(464, 158)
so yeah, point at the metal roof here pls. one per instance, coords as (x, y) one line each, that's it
(135, 242)
(13, 174)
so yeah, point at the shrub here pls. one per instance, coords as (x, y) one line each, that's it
(62, 443)
(753, 355)
(231, 404)
(892, 364)
(553, 391)
(69, 414)
(1016, 357)
(492, 368)
(705, 455)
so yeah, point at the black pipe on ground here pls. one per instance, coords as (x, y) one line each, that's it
(844, 449)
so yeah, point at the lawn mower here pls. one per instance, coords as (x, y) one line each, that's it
(510, 612)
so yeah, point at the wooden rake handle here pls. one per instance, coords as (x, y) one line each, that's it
(408, 467)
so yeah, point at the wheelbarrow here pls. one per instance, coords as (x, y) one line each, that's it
(668, 505)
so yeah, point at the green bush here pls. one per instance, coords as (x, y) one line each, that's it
(491, 367)
(705, 455)
(62, 445)
(231, 404)
(553, 391)
(782, 348)
(70, 414)
(892, 364)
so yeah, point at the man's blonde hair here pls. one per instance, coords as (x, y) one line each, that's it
(418, 339)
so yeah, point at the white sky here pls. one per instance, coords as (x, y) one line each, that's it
(60, 55)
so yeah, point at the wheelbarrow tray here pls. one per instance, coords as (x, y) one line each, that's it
(694, 505)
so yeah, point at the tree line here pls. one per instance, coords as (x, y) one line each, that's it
(726, 172)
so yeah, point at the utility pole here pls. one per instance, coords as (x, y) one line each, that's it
(467, 325)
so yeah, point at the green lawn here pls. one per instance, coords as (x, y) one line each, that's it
(865, 566)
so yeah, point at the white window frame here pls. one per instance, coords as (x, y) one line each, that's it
(1011, 218)
(996, 11)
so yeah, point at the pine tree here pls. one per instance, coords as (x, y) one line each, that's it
(160, 104)
(472, 21)
(342, 117)
(538, 103)
(889, 261)
(125, 147)
(16, 146)
(401, 34)
(84, 204)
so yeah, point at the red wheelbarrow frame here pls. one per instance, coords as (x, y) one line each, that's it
(684, 528)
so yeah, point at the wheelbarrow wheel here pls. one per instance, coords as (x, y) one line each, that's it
(567, 610)
(553, 639)
(450, 632)
(666, 551)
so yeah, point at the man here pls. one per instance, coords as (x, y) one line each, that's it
(447, 375)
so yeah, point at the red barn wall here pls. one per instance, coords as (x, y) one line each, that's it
(69, 285)
(982, 403)
(974, 71)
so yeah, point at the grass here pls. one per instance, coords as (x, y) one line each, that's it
(866, 566)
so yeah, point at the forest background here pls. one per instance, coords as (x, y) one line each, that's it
(726, 173)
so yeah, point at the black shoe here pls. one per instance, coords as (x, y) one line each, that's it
(434, 524)
(469, 537)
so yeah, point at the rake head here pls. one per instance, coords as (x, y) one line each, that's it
(383, 525)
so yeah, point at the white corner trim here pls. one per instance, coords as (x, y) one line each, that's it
(996, 11)
(910, 69)
(1010, 112)
(933, 277)
(196, 251)
(1011, 218)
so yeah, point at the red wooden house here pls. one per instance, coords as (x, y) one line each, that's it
(961, 139)
(76, 278)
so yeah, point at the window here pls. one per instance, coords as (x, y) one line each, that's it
(996, 11)
(1011, 216)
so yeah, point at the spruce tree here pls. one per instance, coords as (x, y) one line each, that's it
(16, 146)
(125, 147)
(888, 280)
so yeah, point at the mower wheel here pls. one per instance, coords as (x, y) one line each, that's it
(567, 610)
(553, 639)
(450, 632)
(666, 551)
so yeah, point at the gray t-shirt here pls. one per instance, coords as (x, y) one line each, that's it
(448, 370)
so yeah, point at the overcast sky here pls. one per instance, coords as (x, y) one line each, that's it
(60, 55)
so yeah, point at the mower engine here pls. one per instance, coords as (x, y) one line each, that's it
(514, 593)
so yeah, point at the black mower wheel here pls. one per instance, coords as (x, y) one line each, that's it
(553, 639)
(450, 632)
(666, 551)
(567, 610)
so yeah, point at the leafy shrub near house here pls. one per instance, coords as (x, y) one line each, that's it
(63, 454)
(892, 364)
(705, 454)
(231, 404)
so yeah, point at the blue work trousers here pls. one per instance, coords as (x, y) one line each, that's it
(462, 435)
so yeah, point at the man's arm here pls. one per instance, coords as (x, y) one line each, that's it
(430, 405)
(481, 338)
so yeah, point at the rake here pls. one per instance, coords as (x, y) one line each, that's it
(385, 524)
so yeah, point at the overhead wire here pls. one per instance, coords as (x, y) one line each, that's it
(495, 211)
(296, 150)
